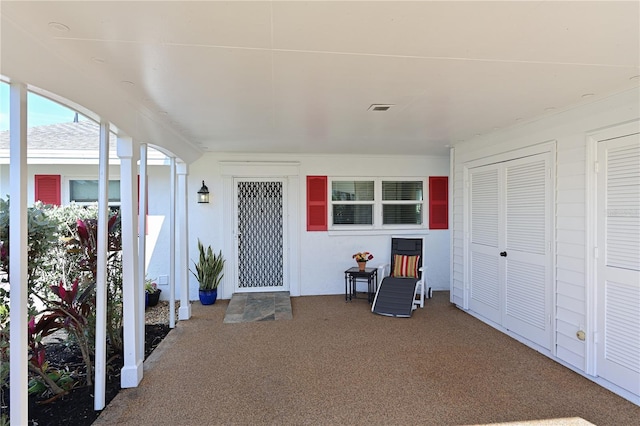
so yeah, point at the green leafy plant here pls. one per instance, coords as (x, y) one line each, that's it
(150, 286)
(208, 269)
(71, 312)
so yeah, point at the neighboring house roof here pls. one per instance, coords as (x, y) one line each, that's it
(67, 143)
(81, 135)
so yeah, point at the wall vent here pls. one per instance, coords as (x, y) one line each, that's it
(380, 107)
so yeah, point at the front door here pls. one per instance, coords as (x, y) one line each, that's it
(618, 273)
(260, 235)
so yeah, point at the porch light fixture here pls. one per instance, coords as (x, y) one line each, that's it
(203, 194)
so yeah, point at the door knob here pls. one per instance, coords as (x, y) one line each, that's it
(503, 253)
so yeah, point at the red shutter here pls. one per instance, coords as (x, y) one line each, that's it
(316, 203)
(47, 189)
(438, 202)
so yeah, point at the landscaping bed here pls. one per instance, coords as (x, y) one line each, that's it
(76, 407)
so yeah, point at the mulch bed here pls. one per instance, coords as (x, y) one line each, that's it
(76, 407)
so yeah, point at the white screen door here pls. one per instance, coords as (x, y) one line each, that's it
(260, 235)
(510, 256)
(618, 280)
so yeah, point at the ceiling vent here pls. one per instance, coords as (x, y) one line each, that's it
(380, 107)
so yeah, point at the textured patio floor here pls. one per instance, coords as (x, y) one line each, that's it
(336, 363)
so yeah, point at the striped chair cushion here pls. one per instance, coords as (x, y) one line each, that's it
(405, 266)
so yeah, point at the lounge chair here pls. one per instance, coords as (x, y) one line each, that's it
(405, 288)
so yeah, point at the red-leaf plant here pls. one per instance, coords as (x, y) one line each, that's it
(88, 241)
(71, 312)
(37, 357)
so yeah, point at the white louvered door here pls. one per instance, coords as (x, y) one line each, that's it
(527, 296)
(509, 250)
(618, 354)
(485, 277)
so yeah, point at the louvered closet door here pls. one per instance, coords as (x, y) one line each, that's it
(527, 295)
(510, 235)
(618, 278)
(485, 273)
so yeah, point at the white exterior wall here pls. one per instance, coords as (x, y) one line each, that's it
(574, 284)
(318, 267)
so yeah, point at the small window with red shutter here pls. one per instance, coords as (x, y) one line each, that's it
(316, 203)
(438, 202)
(47, 189)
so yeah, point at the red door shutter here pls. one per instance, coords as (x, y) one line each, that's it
(47, 189)
(438, 202)
(316, 203)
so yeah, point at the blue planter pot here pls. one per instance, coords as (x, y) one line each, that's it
(208, 297)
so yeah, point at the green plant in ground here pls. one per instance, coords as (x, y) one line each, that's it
(37, 356)
(71, 312)
(42, 232)
(208, 269)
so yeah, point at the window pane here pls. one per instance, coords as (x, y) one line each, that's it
(402, 214)
(86, 191)
(353, 214)
(352, 191)
(401, 191)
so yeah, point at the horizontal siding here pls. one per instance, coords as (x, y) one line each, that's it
(570, 236)
(570, 196)
(457, 207)
(570, 303)
(571, 182)
(570, 317)
(569, 152)
(570, 289)
(567, 332)
(570, 210)
(570, 263)
(569, 357)
(570, 250)
(570, 223)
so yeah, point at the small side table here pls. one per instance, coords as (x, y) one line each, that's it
(351, 276)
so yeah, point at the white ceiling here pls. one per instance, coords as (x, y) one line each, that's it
(299, 77)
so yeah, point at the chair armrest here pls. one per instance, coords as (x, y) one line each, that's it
(383, 270)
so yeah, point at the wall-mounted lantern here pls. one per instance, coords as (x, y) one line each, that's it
(203, 194)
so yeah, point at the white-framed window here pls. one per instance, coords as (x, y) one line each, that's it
(84, 191)
(376, 203)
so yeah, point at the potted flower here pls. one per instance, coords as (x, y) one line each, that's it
(152, 292)
(208, 272)
(362, 258)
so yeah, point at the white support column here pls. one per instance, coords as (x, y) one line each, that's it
(132, 290)
(101, 270)
(18, 243)
(183, 266)
(172, 242)
(142, 234)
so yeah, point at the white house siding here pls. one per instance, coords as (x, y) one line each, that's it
(318, 266)
(573, 285)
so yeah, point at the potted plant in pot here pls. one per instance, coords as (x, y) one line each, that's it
(208, 272)
(151, 292)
